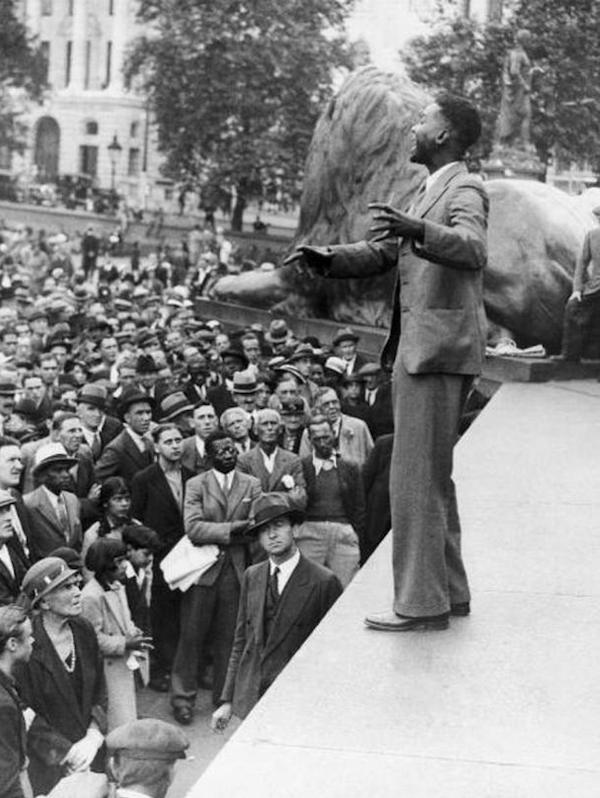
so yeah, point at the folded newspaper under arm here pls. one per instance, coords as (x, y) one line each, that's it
(185, 563)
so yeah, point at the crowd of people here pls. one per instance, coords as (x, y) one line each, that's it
(130, 426)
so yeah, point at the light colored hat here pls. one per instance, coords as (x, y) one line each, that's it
(244, 382)
(43, 577)
(148, 739)
(336, 364)
(173, 405)
(51, 454)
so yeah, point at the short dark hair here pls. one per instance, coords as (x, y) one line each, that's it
(315, 419)
(139, 536)
(163, 428)
(59, 418)
(463, 118)
(12, 618)
(217, 435)
(113, 486)
(101, 555)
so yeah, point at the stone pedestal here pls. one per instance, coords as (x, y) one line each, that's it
(514, 163)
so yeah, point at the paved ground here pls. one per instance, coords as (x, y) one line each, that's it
(503, 705)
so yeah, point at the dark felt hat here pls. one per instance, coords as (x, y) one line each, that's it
(269, 506)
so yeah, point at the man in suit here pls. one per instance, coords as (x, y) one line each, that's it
(16, 643)
(131, 451)
(283, 599)
(344, 347)
(13, 561)
(98, 429)
(581, 327)
(335, 509)
(53, 510)
(274, 467)
(436, 346)
(205, 421)
(11, 468)
(216, 510)
(157, 499)
(352, 438)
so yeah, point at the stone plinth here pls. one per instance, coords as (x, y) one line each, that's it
(514, 163)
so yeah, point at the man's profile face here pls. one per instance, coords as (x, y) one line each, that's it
(426, 134)
(11, 466)
(6, 527)
(224, 455)
(276, 537)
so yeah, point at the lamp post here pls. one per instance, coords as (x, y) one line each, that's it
(114, 153)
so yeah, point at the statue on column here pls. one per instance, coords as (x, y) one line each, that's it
(514, 121)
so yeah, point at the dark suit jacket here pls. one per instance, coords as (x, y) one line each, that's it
(46, 532)
(216, 395)
(438, 321)
(252, 463)
(191, 458)
(46, 687)
(10, 586)
(351, 487)
(254, 663)
(13, 740)
(208, 514)
(153, 503)
(122, 458)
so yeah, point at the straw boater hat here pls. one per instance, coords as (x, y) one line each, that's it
(173, 405)
(336, 364)
(244, 382)
(278, 332)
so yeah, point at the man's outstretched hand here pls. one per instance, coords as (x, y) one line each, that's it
(317, 258)
(389, 222)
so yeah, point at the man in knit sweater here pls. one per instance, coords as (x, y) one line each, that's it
(335, 510)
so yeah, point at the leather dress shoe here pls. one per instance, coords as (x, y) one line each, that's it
(391, 622)
(460, 610)
(183, 715)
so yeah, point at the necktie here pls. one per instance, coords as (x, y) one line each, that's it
(274, 584)
(63, 518)
(96, 446)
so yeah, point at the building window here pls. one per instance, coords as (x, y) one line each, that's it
(134, 130)
(88, 159)
(45, 51)
(133, 165)
(46, 8)
(88, 55)
(69, 53)
(108, 64)
(91, 128)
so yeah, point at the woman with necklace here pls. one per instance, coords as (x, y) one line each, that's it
(123, 646)
(63, 682)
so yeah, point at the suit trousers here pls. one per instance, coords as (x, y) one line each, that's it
(331, 544)
(164, 613)
(208, 616)
(581, 328)
(429, 574)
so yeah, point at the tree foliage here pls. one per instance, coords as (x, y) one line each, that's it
(465, 56)
(236, 86)
(22, 75)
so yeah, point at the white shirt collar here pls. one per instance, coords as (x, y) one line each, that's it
(319, 462)
(200, 446)
(5, 558)
(269, 459)
(224, 480)
(286, 569)
(434, 176)
(139, 440)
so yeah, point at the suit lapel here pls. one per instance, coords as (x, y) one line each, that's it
(162, 486)
(291, 604)
(113, 604)
(236, 493)
(215, 491)
(256, 602)
(278, 469)
(46, 509)
(130, 447)
(440, 186)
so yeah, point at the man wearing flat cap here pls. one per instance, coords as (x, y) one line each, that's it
(344, 345)
(581, 326)
(283, 599)
(142, 756)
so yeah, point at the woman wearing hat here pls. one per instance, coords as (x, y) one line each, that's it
(122, 644)
(63, 682)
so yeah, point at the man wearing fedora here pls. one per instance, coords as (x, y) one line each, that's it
(54, 511)
(282, 600)
(176, 408)
(344, 346)
(131, 451)
(280, 338)
(244, 390)
(8, 389)
(14, 561)
(98, 428)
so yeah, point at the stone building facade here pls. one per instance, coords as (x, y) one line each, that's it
(87, 106)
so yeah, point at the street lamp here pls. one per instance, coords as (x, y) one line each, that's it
(114, 153)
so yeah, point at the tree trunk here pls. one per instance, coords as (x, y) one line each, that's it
(237, 217)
